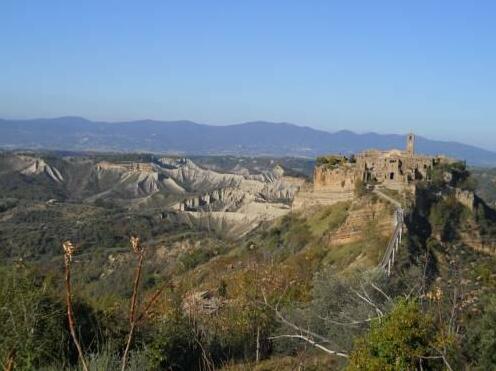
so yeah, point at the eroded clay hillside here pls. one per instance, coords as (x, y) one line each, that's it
(104, 191)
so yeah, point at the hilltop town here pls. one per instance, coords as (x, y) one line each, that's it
(337, 178)
(393, 169)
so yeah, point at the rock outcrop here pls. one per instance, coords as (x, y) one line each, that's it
(129, 167)
(309, 197)
(466, 198)
(221, 199)
(37, 166)
(236, 203)
(270, 186)
(134, 179)
(358, 218)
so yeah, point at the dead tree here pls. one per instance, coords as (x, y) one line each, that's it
(320, 342)
(310, 337)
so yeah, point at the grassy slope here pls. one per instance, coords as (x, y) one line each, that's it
(280, 258)
(281, 261)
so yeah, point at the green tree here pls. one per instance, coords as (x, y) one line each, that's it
(481, 336)
(32, 323)
(173, 345)
(400, 341)
(446, 216)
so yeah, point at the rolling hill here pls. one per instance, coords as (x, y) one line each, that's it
(186, 137)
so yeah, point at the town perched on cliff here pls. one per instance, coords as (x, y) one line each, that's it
(337, 178)
(394, 169)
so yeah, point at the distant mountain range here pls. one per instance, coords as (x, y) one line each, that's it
(189, 138)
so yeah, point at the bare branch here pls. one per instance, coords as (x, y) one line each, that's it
(370, 302)
(311, 342)
(446, 363)
(388, 298)
(297, 328)
(443, 356)
(351, 323)
(365, 291)
(152, 301)
(407, 297)
(453, 310)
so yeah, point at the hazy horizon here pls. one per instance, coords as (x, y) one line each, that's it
(364, 132)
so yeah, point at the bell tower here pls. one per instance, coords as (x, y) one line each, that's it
(410, 144)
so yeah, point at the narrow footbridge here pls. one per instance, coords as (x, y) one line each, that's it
(395, 241)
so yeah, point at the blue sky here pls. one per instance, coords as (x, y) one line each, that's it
(384, 66)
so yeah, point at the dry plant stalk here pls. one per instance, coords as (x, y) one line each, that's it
(68, 252)
(138, 250)
(135, 319)
(152, 301)
(10, 364)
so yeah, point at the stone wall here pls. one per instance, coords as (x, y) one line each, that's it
(394, 168)
(338, 179)
(308, 198)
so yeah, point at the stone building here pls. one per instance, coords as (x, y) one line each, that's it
(395, 169)
(340, 178)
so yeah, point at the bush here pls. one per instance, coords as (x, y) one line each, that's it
(445, 217)
(398, 342)
(334, 298)
(7, 203)
(290, 236)
(460, 176)
(173, 346)
(192, 259)
(32, 323)
(330, 161)
(480, 346)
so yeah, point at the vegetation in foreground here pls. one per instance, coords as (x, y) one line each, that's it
(261, 302)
